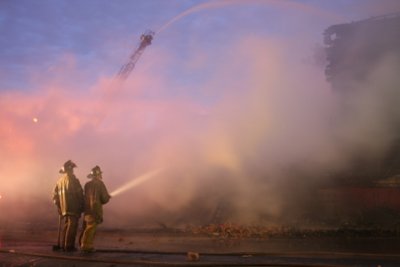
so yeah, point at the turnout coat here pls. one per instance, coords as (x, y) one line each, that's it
(68, 195)
(96, 195)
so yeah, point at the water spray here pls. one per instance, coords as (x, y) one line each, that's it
(289, 4)
(135, 182)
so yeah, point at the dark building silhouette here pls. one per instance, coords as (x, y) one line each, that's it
(353, 48)
(353, 51)
(369, 189)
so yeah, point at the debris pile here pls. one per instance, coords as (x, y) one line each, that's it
(231, 231)
(235, 231)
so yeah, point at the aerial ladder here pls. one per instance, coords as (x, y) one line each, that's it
(122, 75)
(145, 40)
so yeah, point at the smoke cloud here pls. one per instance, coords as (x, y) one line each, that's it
(260, 127)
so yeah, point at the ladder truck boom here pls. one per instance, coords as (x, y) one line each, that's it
(126, 69)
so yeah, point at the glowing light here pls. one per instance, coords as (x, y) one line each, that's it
(135, 182)
(35, 120)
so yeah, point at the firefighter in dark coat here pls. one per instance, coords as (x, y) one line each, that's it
(68, 197)
(96, 195)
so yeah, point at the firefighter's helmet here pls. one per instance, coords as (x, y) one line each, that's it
(96, 172)
(68, 165)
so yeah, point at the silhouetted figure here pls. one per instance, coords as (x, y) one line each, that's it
(96, 195)
(68, 197)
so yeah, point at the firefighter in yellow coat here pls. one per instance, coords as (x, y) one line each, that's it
(68, 197)
(96, 195)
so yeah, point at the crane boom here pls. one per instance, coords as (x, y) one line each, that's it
(126, 69)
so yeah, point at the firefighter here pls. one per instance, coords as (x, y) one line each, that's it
(68, 197)
(96, 195)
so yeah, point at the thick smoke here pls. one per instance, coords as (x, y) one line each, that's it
(262, 128)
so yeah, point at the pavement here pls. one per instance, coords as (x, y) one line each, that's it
(169, 248)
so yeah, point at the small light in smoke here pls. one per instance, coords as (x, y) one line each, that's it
(35, 120)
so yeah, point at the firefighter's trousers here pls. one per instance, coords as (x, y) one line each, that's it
(69, 232)
(88, 233)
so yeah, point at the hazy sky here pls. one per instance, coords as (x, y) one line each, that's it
(228, 93)
(98, 35)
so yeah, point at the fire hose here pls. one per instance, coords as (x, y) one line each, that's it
(187, 263)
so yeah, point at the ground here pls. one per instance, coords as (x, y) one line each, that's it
(168, 247)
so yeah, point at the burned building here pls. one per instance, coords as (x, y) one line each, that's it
(352, 49)
(369, 185)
